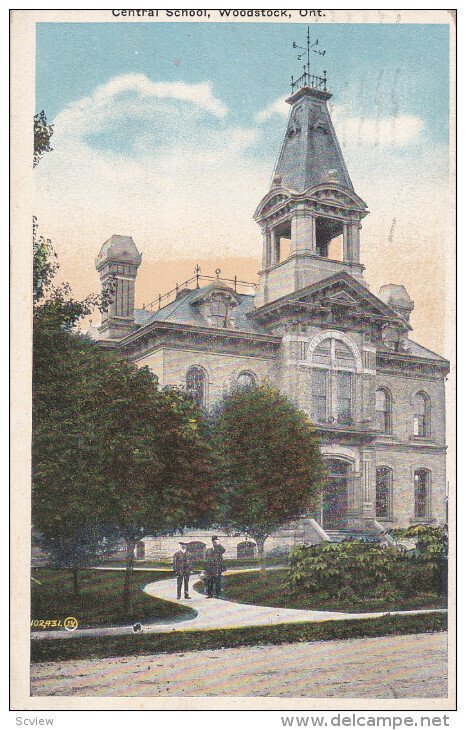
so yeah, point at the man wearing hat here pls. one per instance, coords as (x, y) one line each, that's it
(214, 568)
(182, 570)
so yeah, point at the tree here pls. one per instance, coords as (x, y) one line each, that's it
(111, 451)
(155, 458)
(79, 547)
(269, 464)
(42, 134)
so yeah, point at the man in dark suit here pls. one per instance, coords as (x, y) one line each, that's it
(214, 568)
(182, 570)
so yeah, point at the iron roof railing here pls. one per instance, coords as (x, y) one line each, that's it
(173, 293)
(307, 79)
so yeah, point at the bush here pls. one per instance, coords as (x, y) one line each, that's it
(358, 569)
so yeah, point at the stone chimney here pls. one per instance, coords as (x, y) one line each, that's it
(396, 297)
(117, 264)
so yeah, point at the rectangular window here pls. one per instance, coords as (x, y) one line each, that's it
(319, 394)
(343, 397)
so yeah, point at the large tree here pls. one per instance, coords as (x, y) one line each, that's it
(269, 464)
(155, 460)
(110, 450)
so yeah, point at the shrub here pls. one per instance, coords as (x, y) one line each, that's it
(370, 569)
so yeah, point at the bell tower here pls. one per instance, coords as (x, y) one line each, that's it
(311, 216)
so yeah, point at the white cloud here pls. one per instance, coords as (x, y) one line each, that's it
(278, 107)
(77, 117)
(398, 131)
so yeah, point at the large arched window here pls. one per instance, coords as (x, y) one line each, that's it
(422, 494)
(383, 492)
(333, 381)
(196, 385)
(246, 380)
(383, 410)
(421, 414)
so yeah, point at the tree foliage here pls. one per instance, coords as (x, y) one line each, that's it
(42, 134)
(270, 469)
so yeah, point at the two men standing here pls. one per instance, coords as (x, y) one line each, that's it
(213, 569)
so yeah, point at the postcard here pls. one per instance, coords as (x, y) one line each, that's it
(233, 359)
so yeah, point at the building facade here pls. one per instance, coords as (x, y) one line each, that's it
(312, 327)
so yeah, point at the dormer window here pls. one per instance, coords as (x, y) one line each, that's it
(219, 311)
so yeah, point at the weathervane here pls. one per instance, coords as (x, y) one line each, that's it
(307, 52)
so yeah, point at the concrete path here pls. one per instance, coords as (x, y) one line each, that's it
(215, 614)
(388, 667)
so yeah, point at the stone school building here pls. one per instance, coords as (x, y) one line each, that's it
(312, 327)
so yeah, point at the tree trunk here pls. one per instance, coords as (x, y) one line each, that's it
(260, 541)
(130, 547)
(75, 574)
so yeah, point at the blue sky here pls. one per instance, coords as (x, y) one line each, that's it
(250, 64)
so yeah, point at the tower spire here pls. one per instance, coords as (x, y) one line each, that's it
(306, 79)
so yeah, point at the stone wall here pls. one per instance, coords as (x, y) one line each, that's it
(171, 366)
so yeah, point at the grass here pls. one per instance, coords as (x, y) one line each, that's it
(194, 640)
(270, 589)
(100, 599)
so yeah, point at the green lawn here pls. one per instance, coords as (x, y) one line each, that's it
(182, 641)
(269, 589)
(100, 599)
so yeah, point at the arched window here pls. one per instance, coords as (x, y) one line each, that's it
(196, 382)
(422, 493)
(421, 414)
(246, 549)
(383, 492)
(383, 410)
(196, 549)
(246, 380)
(333, 381)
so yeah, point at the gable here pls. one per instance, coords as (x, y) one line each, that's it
(338, 299)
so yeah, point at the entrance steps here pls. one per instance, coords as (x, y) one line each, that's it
(372, 531)
(364, 535)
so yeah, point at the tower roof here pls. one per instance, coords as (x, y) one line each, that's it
(310, 153)
(120, 249)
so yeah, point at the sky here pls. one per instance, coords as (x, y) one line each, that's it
(170, 132)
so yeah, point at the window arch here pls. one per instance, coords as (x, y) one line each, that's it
(422, 489)
(246, 380)
(383, 410)
(421, 406)
(196, 385)
(334, 366)
(383, 492)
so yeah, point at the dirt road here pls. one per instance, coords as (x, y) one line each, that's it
(387, 667)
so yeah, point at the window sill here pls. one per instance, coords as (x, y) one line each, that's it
(422, 521)
(422, 439)
(384, 519)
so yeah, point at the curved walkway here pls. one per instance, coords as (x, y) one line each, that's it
(218, 614)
